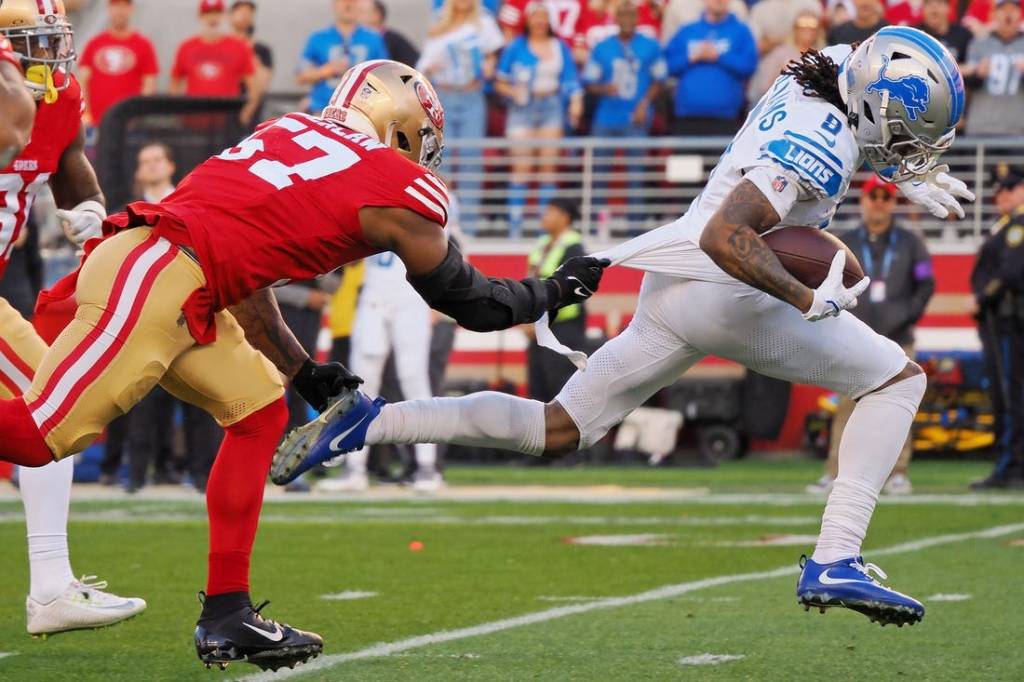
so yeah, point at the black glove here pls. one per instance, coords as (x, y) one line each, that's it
(575, 281)
(317, 384)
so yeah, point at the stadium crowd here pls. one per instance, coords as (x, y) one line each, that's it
(550, 69)
(544, 68)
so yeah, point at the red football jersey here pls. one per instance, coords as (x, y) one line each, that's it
(564, 15)
(55, 127)
(284, 204)
(214, 69)
(117, 67)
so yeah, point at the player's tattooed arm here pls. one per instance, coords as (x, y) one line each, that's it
(732, 239)
(266, 330)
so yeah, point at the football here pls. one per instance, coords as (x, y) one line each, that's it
(807, 253)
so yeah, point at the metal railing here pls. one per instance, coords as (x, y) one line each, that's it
(627, 186)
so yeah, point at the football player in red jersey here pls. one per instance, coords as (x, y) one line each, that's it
(44, 144)
(177, 294)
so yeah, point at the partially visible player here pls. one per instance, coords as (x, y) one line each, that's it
(301, 197)
(391, 318)
(17, 108)
(715, 287)
(38, 38)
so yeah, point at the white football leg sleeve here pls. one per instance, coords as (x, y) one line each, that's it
(487, 419)
(869, 448)
(46, 494)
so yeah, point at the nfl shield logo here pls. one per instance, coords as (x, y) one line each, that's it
(779, 183)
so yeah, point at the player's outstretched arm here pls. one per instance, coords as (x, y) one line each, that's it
(17, 109)
(732, 240)
(452, 286)
(260, 319)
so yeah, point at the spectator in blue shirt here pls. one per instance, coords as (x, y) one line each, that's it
(625, 72)
(712, 58)
(537, 75)
(459, 58)
(333, 51)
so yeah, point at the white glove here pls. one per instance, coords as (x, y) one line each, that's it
(83, 222)
(832, 297)
(938, 192)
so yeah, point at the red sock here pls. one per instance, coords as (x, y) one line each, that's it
(234, 495)
(21, 441)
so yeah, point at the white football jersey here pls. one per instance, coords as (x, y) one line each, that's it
(798, 150)
(384, 279)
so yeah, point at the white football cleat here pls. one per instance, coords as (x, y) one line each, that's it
(823, 486)
(428, 481)
(82, 606)
(350, 482)
(898, 484)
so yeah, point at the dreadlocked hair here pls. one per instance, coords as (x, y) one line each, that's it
(818, 75)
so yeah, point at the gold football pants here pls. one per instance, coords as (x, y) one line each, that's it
(128, 334)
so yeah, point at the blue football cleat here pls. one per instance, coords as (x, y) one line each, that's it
(339, 429)
(847, 583)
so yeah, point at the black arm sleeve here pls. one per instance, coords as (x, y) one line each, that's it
(479, 303)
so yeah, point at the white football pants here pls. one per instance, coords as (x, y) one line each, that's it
(401, 324)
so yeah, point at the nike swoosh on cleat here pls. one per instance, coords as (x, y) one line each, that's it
(276, 636)
(582, 292)
(826, 579)
(333, 446)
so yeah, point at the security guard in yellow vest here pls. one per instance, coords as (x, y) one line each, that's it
(548, 371)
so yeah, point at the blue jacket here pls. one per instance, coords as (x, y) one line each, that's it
(518, 65)
(712, 89)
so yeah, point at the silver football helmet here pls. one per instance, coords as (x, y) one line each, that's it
(905, 96)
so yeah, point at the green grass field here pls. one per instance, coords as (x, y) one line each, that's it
(499, 593)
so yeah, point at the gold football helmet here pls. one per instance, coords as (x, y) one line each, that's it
(41, 36)
(396, 104)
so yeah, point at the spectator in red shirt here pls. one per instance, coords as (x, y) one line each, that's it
(116, 64)
(215, 63)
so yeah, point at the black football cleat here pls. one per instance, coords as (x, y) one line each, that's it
(231, 629)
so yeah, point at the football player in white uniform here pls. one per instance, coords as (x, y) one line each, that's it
(714, 286)
(390, 317)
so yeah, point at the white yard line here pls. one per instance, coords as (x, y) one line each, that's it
(657, 594)
(138, 515)
(348, 595)
(590, 495)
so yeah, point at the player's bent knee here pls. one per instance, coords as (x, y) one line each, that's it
(911, 369)
(561, 435)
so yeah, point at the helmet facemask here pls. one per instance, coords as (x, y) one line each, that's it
(902, 155)
(44, 50)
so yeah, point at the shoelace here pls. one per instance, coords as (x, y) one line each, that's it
(869, 568)
(257, 609)
(95, 586)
